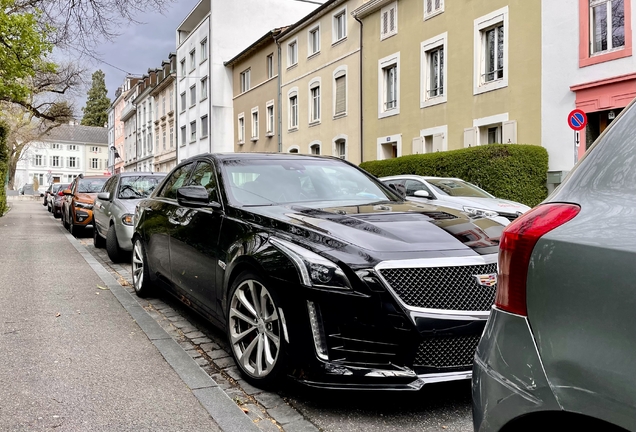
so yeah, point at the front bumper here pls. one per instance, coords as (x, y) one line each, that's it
(82, 216)
(508, 378)
(124, 235)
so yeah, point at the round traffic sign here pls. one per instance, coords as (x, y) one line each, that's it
(577, 119)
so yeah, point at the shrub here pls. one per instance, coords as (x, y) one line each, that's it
(509, 171)
(4, 168)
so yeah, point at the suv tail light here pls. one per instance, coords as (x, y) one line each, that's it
(515, 248)
(60, 193)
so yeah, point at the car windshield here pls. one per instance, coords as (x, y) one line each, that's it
(91, 185)
(255, 182)
(458, 188)
(136, 187)
(59, 186)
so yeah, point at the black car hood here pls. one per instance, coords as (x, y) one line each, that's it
(392, 227)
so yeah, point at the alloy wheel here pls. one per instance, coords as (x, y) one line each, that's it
(255, 329)
(138, 266)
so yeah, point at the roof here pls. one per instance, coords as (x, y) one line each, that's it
(78, 133)
(310, 17)
(266, 38)
(369, 7)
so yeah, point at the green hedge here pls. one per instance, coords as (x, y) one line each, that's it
(4, 168)
(510, 171)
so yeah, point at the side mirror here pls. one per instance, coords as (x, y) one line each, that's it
(422, 194)
(67, 192)
(104, 196)
(41, 195)
(195, 196)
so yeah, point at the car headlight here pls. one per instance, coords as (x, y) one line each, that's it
(83, 205)
(315, 271)
(128, 219)
(477, 212)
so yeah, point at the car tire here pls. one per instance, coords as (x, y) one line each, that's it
(256, 339)
(140, 273)
(98, 241)
(75, 230)
(112, 247)
(56, 214)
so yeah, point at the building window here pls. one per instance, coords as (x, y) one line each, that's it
(38, 160)
(270, 66)
(270, 118)
(314, 41)
(245, 81)
(432, 8)
(56, 146)
(182, 68)
(55, 162)
(94, 149)
(204, 88)
(433, 71)
(183, 102)
(489, 130)
(204, 49)
(72, 162)
(149, 142)
(493, 134)
(204, 126)
(314, 102)
(183, 135)
(491, 56)
(314, 149)
(292, 53)
(163, 139)
(193, 131)
(607, 25)
(171, 136)
(254, 124)
(389, 86)
(340, 149)
(41, 179)
(193, 95)
(293, 111)
(241, 129)
(94, 163)
(339, 26)
(163, 105)
(72, 147)
(293, 149)
(388, 24)
(340, 90)
(193, 60)
(171, 99)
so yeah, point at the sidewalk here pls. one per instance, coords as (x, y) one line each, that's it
(72, 357)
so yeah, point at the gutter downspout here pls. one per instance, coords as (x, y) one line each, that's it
(209, 54)
(280, 117)
(361, 105)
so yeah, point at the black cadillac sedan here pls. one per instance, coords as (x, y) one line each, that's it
(317, 270)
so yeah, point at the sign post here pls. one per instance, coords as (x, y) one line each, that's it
(577, 120)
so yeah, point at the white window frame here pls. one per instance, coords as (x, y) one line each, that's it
(432, 132)
(315, 83)
(334, 20)
(183, 136)
(241, 128)
(244, 80)
(433, 12)
(292, 43)
(193, 131)
(182, 64)
(193, 92)
(72, 147)
(204, 131)
(386, 11)
(334, 141)
(383, 64)
(313, 144)
(40, 162)
(311, 49)
(94, 163)
(293, 92)
(55, 161)
(390, 139)
(426, 47)
(610, 47)
(294, 147)
(490, 121)
(255, 124)
(72, 162)
(56, 146)
(270, 105)
(204, 89)
(337, 73)
(270, 66)
(193, 59)
(184, 101)
(204, 50)
(481, 25)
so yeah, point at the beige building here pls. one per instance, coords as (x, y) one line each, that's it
(441, 75)
(255, 96)
(320, 83)
(165, 152)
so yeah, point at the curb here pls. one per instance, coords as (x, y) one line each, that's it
(223, 410)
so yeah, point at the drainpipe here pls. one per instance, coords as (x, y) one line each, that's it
(280, 117)
(361, 106)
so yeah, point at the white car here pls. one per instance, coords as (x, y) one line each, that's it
(458, 194)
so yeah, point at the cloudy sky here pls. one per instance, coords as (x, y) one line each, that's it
(139, 47)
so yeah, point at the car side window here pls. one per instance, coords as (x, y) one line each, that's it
(203, 175)
(112, 187)
(413, 186)
(175, 181)
(73, 186)
(106, 187)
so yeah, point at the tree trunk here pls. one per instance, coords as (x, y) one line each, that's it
(13, 166)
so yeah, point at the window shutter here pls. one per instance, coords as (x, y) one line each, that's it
(509, 129)
(438, 142)
(418, 145)
(392, 19)
(470, 137)
(341, 94)
(385, 23)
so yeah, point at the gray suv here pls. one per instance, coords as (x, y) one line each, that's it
(114, 208)
(559, 349)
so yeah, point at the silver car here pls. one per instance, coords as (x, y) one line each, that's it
(114, 209)
(559, 348)
(458, 194)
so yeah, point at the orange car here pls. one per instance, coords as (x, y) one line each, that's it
(77, 207)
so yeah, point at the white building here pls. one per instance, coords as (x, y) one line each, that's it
(147, 142)
(583, 67)
(64, 153)
(214, 32)
(129, 117)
